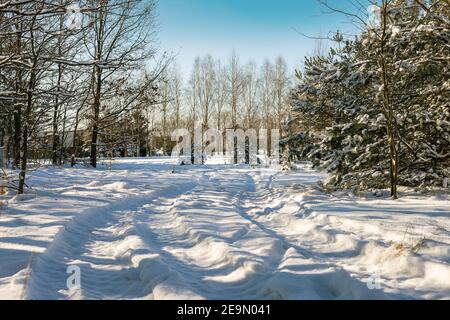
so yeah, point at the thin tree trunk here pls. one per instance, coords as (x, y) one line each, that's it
(17, 136)
(391, 123)
(24, 151)
(63, 138)
(96, 117)
(55, 142)
(74, 142)
(18, 109)
(56, 139)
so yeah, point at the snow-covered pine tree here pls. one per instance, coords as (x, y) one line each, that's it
(338, 106)
(419, 44)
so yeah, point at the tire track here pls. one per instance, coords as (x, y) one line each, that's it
(88, 242)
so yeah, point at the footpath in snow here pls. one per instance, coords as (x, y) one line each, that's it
(145, 231)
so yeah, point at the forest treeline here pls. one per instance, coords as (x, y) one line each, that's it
(70, 67)
(84, 80)
(221, 95)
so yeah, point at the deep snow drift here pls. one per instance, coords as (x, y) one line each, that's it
(146, 231)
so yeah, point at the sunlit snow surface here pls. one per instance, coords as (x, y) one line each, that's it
(149, 229)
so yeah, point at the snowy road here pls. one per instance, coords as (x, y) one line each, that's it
(219, 232)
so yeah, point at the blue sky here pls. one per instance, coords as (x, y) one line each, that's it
(255, 29)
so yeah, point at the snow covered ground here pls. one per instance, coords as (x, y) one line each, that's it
(146, 231)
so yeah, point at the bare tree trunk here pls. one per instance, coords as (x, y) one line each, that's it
(96, 115)
(63, 138)
(164, 128)
(24, 151)
(94, 141)
(235, 87)
(165, 105)
(391, 122)
(74, 142)
(18, 108)
(17, 136)
(55, 141)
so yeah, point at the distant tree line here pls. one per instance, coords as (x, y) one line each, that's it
(222, 96)
(83, 80)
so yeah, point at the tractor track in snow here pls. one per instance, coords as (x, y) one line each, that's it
(78, 238)
(193, 241)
